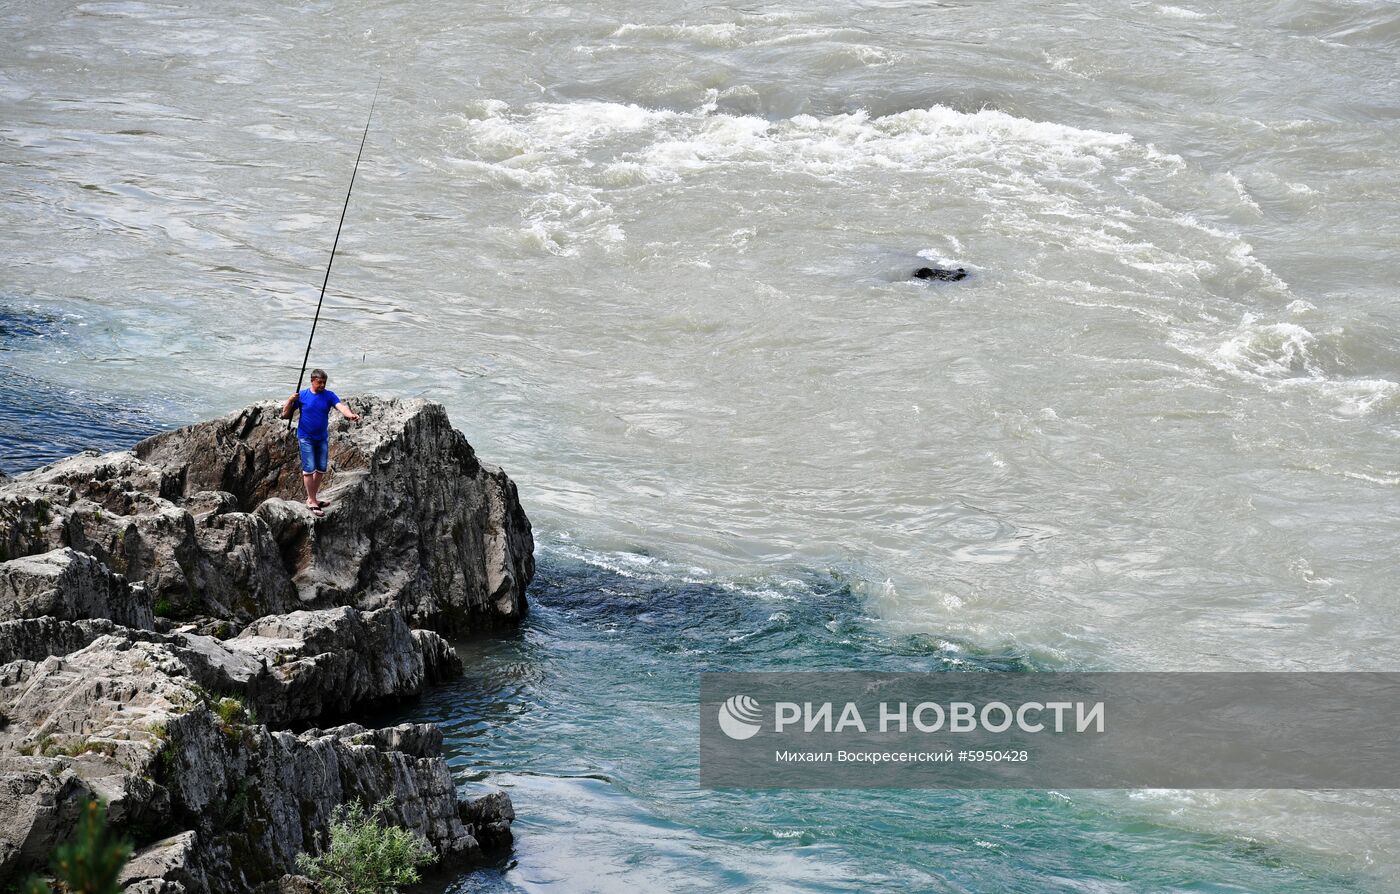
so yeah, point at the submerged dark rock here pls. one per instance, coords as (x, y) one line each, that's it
(285, 618)
(941, 274)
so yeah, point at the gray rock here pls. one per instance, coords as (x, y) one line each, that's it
(169, 866)
(70, 586)
(488, 817)
(225, 565)
(126, 719)
(297, 884)
(207, 504)
(415, 520)
(326, 662)
(286, 617)
(28, 521)
(209, 520)
(111, 480)
(102, 713)
(260, 797)
(288, 668)
(40, 802)
(440, 661)
(35, 639)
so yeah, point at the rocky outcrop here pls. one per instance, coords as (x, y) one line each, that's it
(166, 613)
(287, 668)
(415, 519)
(170, 866)
(942, 274)
(40, 802)
(37, 638)
(116, 509)
(488, 817)
(440, 661)
(257, 797)
(69, 585)
(130, 718)
(311, 664)
(209, 520)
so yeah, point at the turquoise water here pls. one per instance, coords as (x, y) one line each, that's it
(42, 420)
(589, 718)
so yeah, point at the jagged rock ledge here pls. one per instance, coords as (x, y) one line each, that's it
(168, 613)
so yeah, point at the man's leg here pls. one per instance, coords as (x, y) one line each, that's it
(320, 461)
(310, 478)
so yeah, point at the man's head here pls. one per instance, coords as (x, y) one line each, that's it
(318, 380)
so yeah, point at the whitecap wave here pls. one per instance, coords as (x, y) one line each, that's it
(575, 157)
(1289, 356)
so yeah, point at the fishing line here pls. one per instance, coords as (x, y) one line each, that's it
(307, 356)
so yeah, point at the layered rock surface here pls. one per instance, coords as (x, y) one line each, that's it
(210, 519)
(312, 618)
(69, 585)
(415, 520)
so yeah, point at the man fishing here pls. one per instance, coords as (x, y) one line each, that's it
(313, 432)
(313, 429)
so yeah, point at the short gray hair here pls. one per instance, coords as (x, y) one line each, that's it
(318, 373)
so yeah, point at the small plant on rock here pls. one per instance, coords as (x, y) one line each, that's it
(233, 714)
(366, 854)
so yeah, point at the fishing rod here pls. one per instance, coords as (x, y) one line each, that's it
(307, 356)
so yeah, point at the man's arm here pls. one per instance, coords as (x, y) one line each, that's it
(345, 411)
(289, 407)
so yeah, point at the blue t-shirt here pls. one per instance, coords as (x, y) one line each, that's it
(315, 413)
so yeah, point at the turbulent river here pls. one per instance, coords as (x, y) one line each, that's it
(654, 259)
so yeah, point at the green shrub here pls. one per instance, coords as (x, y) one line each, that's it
(233, 714)
(229, 709)
(366, 855)
(92, 861)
